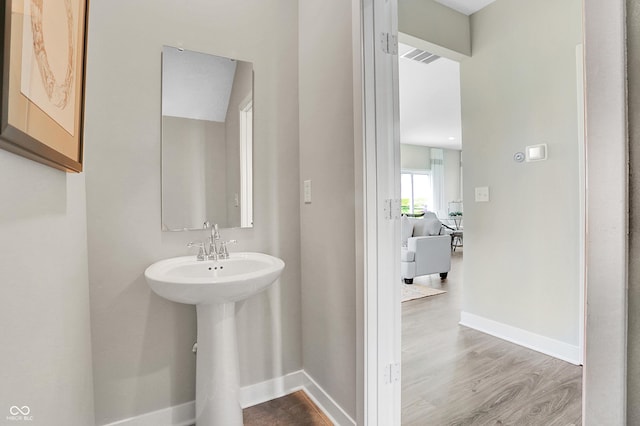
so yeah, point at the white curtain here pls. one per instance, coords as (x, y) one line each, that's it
(437, 182)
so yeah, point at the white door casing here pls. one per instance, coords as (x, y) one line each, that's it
(382, 213)
(606, 219)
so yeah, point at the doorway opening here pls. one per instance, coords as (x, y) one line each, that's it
(380, 129)
(454, 343)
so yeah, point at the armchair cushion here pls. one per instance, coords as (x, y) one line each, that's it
(429, 224)
(406, 225)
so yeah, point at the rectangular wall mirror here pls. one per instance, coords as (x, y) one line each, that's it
(207, 141)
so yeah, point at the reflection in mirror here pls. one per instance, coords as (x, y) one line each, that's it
(207, 141)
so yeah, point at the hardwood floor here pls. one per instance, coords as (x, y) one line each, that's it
(453, 375)
(290, 410)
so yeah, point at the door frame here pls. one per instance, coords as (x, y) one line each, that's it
(606, 150)
(381, 201)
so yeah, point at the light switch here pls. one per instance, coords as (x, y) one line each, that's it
(536, 152)
(482, 194)
(307, 192)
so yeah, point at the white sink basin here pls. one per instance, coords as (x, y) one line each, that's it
(187, 280)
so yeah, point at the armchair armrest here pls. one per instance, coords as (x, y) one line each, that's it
(432, 253)
(429, 242)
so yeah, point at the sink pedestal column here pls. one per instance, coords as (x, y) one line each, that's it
(217, 383)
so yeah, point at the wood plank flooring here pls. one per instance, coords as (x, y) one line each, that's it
(453, 375)
(290, 410)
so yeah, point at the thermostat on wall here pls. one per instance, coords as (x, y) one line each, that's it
(536, 152)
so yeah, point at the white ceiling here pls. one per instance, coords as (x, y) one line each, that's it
(430, 111)
(429, 102)
(467, 7)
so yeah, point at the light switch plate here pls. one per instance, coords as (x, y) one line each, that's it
(482, 194)
(536, 152)
(307, 192)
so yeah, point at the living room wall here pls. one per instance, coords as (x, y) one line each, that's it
(452, 175)
(415, 157)
(418, 158)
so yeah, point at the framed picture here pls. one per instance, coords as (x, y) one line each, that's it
(43, 80)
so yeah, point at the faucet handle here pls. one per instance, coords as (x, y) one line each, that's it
(202, 253)
(223, 253)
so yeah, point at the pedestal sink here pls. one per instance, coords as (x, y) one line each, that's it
(214, 286)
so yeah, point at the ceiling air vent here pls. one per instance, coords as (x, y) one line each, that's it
(421, 56)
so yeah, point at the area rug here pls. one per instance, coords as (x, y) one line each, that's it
(417, 291)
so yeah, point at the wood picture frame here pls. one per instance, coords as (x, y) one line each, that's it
(42, 92)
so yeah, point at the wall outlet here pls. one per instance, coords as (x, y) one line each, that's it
(307, 192)
(482, 194)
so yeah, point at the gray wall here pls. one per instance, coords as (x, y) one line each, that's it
(193, 172)
(328, 223)
(415, 157)
(45, 361)
(518, 89)
(431, 26)
(633, 65)
(452, 176)
(607, 207)
(217, 158)
(142, 343)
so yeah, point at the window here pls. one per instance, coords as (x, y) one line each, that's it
(416, 192)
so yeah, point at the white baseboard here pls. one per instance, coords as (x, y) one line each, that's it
(184, 414)
(546, 345)
(324, 401)
(270, 389)
(178, 415)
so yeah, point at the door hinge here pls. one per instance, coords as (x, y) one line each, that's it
(388, 215)
(392, 209)
(392, 373)
(396, 209)
(389, 43)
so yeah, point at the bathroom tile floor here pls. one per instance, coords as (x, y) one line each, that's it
(294, 409)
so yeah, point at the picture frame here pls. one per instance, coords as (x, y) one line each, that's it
(42, 89)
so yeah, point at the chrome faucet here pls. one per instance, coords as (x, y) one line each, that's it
(217, 249)
(202, 251)
(214, 238)
(223, 253)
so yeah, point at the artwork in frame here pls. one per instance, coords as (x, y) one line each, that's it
(43, 64)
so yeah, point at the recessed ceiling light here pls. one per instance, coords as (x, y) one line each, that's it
(451, 138)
